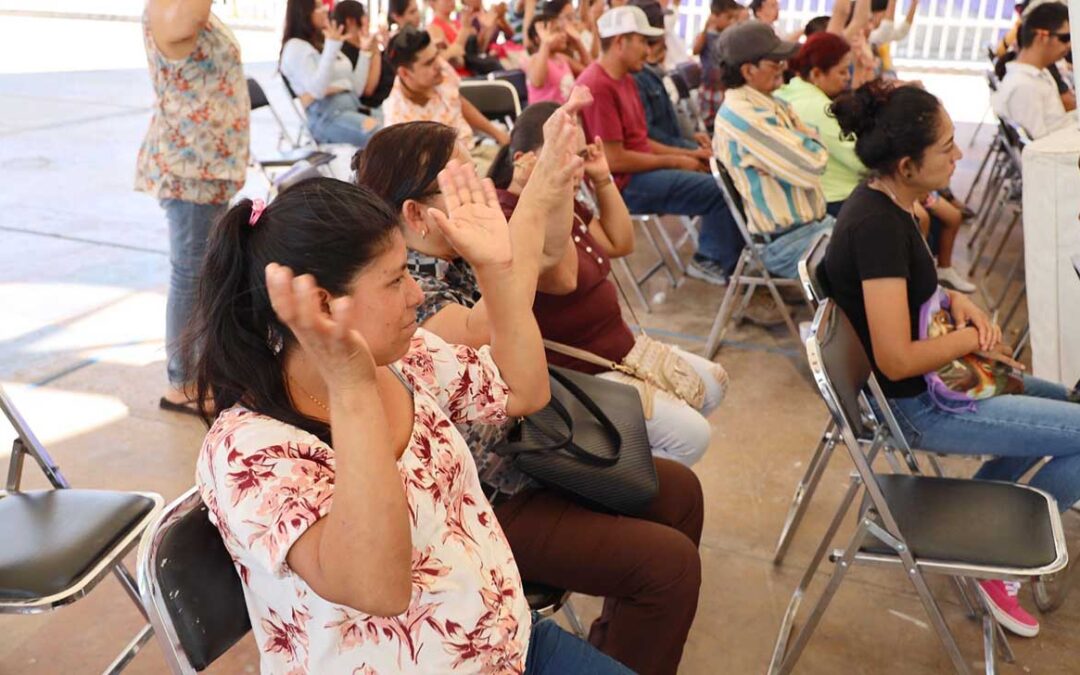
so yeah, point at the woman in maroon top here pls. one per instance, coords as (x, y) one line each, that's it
(588, 317)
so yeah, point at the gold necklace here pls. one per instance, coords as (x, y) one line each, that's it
(305, 392)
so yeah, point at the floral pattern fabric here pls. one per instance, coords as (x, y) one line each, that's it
(196, 149)
(265, 483)
(444, 106)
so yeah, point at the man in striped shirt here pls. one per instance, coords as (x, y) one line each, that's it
(774, 160)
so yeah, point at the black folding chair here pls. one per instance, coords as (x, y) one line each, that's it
(918, 524)
(496, 100)
(267, 164)
(515, 77)
(60, 543)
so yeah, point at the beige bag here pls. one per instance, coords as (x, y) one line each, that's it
(651, 366)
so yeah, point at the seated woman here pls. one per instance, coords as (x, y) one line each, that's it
(307, 336)
(823, 72)
(647, 568)
(323, 77)
(549, 69)
(881, 272)
(586, 315)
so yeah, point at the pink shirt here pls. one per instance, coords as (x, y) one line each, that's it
(616, 113)
(560, 80)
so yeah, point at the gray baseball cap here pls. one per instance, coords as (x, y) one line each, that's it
(752, 41)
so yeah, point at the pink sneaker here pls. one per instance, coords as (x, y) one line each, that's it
(1001, 597)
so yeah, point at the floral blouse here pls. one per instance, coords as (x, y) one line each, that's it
(266, 482)
(196, 149)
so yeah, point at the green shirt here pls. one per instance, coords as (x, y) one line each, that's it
(844, 170)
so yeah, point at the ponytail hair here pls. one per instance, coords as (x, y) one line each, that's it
(527, 135)
(888, 123)
(235, 344)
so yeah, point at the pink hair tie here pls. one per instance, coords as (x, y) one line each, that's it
(257, 208)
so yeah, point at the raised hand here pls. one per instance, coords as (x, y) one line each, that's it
(552, 180)
(340, 353)
(596, 164)
(474, 223)
(333, 31)
(580, 97)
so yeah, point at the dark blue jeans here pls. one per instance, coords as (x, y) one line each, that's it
(1018, 430)
(688, 193)
(553, 651)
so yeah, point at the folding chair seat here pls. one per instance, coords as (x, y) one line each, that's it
(496, 100)
(919, 524)
(60, 543)
(195, 599)
(750, 271)
(517, 78)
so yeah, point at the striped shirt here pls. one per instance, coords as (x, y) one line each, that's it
(775, 161)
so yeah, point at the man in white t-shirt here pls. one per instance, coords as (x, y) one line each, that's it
(1028, 95)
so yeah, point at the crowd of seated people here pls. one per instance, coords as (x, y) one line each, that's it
(392, 327)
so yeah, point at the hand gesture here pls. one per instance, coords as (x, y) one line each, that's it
(340, 353)
(964, 312)
(553, 176)
(580, 97)
(545, 34)
(703, 140)
(488, 19)
(467, 28)
(474, 223)
(1002, 354)
(333, 31)
(596, 164)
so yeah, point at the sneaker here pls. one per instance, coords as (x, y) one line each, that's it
(950, 278)
(762, 310)
(707, 270)
(1000, 596)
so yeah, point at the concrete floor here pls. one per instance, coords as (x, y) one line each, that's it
(82, 281)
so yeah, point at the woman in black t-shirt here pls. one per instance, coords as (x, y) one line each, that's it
(880, 272)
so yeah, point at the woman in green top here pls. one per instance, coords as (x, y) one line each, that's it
(822, 71)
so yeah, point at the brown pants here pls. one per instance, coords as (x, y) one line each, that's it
(647, 569)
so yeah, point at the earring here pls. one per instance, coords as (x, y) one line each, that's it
(423, 233)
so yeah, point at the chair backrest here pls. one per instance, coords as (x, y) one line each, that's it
(811, 273)
(840, 367)
(732, 197)
(691, 72)
(256, 94)
(681, 85)
(515, 77)
(288, 87)
(190, 587)
(495, 99)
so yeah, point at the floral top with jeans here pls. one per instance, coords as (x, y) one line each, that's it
(265, 483)
(196, 149)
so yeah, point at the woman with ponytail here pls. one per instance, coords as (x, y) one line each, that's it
(344, 494)
(881, 272)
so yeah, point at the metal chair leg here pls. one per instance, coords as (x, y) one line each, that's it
(716, 333)
(656, 247)
(672, 249)
(625, 266)
(804, 491)
(1022, 343)
(572, 618)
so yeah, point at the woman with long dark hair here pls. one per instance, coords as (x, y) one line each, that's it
(341, 488)
(325, 80)
(648, 568)
(881, 273)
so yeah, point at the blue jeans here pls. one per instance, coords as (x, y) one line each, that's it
(688, 193)
(1017, 430)
(335, 119)
(782, 255)
(189, 228)
(553, 651)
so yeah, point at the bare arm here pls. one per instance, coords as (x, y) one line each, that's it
(374, 72)
(538, 65)
(482, 124)
(359, 554)
(859, 20)
(561, 278)
(699, 42)
(841, 9)
(175, 24)
(896, 354)
(613, 229)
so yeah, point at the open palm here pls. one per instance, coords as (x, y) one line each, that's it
(474, 223)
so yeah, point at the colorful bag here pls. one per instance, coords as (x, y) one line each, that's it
(956, 386)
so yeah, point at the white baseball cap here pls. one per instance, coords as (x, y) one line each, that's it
(625, 20)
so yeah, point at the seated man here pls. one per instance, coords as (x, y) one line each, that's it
(653, 177)
(428, 89)
(661, 118)
(775, 161)
(1028, 95)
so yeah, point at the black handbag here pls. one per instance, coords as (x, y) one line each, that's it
(589, 442)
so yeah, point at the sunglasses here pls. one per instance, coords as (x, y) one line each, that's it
(1063, 37)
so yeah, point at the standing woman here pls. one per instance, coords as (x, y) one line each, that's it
(195, 154)
(322, 76)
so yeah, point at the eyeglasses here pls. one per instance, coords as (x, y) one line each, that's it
(1064, 37)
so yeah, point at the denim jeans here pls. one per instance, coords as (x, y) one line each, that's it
(782, 255)
(553, 651)
(1017, 430)
(335, 119)
(688, 193)
(676, 430)
(189, 228)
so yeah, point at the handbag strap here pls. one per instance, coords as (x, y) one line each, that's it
(597, 413)
(559, 441)
(583, 355)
